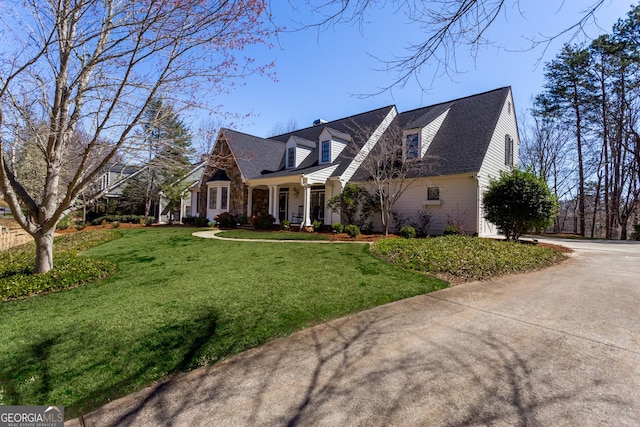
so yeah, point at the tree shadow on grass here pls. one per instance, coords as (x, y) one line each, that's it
(27, 378)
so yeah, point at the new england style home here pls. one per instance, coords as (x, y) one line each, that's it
(458, 146)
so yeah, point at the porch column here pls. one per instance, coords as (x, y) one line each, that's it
(306, 221)
(249, 201)
(273, 202)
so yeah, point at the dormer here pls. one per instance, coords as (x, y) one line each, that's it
(420, 133)
(297, 150)
(412, 143)
(331, 143)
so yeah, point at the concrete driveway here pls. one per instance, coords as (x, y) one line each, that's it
(560, 347)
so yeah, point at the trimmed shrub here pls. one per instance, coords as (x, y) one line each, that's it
(352, 230)
(226, 220)
(263, 222)
(317, 225)
(115, 224)
(286, 225)
(337, 227)
(201, 221)
(519, 202)
(450, 230)
(408, 232)
(196, 221)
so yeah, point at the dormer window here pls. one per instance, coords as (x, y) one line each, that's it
(325, 155)
(291, 157)
(331, 143)
(412, 145)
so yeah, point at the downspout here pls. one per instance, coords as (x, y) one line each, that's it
(478, 207)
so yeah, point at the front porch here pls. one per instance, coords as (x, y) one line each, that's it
(299, 204)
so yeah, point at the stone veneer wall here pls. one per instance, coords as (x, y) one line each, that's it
(260, 201)
(237, 189)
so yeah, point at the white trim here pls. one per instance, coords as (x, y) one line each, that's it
(218, 185)
(368, 146)
(429, 132)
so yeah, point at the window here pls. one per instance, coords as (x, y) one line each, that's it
(291, 157)
(508, 150)
(224, 202)
(412, 145)
(326, 151)
(433, 193)
(213, 198)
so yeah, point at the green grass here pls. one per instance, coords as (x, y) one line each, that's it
(178, 302)
(271, 235)
(465, 258)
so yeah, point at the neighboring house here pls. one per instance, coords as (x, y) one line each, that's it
(459, 146)
(111, 183)
(187, 182)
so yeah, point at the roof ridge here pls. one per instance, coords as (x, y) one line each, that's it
(457, 99)
(248, 134)
(327, 124)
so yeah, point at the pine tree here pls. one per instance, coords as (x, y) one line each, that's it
(168, 147)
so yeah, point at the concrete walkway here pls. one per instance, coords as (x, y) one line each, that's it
(213, 234)
(555, 347)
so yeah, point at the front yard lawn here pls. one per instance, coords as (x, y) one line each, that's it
(178, 302)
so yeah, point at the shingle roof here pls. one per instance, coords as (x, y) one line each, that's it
(461, 143)
(458, 147)
(359, 127)
(253, 154)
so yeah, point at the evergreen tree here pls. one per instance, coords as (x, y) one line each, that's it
(168, 145)
(569, 92)
(519, 202)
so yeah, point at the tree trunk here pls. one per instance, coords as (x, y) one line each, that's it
(581, 179)
(44, 251)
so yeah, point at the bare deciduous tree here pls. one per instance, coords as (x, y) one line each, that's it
(387, 169)
(92, 66)
(447, 26)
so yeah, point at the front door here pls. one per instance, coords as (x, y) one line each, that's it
(317, 205)
(283, 204)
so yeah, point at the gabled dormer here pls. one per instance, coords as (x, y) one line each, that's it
(412, 143)
(331, 143)
(297, 150)
(419, 134)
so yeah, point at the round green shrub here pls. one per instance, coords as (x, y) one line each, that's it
(408, 232)
(352, 230)
(226, 220)
(450, 230)
(337, 227)
(263, 222)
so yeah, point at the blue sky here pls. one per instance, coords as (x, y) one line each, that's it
(321, 73)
